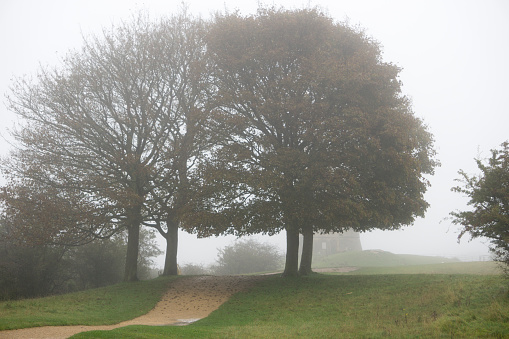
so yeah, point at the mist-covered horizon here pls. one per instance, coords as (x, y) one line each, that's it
(454, 59)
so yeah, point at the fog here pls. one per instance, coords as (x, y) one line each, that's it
(454, 56)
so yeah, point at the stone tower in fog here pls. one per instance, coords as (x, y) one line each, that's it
(327, 244)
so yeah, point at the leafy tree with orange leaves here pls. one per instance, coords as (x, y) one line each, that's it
(316, 135)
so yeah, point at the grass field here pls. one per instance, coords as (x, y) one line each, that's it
(369, 303)
(354, 306)
(101, 306)
(476, 267)
(376, 258)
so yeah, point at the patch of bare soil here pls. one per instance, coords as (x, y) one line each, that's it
(187, 300)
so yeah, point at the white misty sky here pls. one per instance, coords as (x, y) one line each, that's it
(454, 56)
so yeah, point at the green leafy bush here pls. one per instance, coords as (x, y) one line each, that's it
(247, 256)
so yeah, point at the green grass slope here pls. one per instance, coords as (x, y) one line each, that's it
(356, 306)
(101, 306)
(375, 258)
(369, 303)
(476, 267)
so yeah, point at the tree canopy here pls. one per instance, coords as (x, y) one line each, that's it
(489, 201)
(316, 135)
(116, 124)
(282, 120)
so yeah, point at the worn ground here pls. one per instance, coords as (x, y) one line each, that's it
(187, 300)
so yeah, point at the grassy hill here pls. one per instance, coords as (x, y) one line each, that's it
(476, 267)
(371, 306)
(376, 258)
(100, 306)
(369, 303)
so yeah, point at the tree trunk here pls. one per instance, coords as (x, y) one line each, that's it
(307, 251)
(131, 260)
(292, 253)
(133, 244)
(170, 262)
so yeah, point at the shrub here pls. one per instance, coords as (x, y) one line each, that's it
(248, 256)
(193, 269)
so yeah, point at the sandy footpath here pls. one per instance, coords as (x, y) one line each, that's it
(186, 300)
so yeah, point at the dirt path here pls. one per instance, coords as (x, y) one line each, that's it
(186, 301)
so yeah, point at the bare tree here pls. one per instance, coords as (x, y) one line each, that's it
(185, 55)
(108, 122)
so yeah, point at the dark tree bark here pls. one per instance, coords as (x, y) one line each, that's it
(170, 263)
(307, 251)
(133, 240)
(292, 253)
